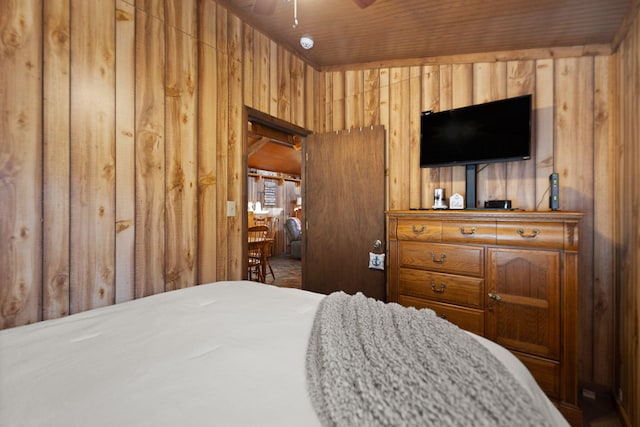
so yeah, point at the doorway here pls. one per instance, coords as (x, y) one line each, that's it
(273, 192)
(341, 214)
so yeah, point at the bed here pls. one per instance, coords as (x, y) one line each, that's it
(226, 353)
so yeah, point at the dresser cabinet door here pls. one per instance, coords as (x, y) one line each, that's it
(523, 300)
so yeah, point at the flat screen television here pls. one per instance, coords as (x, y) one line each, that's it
(497, 131)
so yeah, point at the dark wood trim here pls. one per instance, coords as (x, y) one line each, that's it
(268, 121)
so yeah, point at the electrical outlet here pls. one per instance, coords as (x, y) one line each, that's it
(231, 208)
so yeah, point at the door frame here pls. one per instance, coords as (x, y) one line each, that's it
(251, 114)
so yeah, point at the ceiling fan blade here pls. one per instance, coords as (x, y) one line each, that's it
(364, 3)
(264, 7)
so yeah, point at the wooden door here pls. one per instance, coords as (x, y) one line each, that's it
(343, 199)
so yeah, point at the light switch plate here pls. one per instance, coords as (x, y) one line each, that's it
(231, 208)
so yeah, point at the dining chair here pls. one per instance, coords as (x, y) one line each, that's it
(269, 248)
(257, 241)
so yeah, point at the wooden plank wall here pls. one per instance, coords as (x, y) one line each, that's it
(571, 100)
(626, 202)
(21, 164)
(122, 141)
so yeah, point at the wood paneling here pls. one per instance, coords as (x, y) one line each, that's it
(415, 101)
(236, 149)
(150, 155)
(222, 143)
(297, 78)
(398, 138)
(284, 85)
(248, 66)
(208, 215)
(181, 158)
(125, 152)
(21, 163)
(603, 222)
(124, 193)
(55, 164)
(353, 93)
(520, 81)
(573, 160)
(261, 62)
(313, 91)
(625, 200)
(543, 130)
(92, 199)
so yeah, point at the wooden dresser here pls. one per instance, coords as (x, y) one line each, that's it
(510, 276)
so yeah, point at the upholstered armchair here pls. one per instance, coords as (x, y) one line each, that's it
(293, 227)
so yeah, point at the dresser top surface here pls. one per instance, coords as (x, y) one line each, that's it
(487, 214)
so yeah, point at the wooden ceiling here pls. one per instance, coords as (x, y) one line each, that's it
(389, 30)
(274, 150)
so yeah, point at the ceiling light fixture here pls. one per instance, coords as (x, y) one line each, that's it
(306, 42)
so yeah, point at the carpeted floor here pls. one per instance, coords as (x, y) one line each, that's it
(287, 272)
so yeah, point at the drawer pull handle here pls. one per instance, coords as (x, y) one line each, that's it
(443, 316)
(495, 297)
(533, 234)
(417, 230)
(438, 290)
(466, 232)
(439, 260)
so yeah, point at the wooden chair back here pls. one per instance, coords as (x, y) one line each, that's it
(257, 251)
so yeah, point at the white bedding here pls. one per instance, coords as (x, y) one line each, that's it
(228, 354)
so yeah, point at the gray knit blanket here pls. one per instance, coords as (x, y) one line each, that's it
(376, 364)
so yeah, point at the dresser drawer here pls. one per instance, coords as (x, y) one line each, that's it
(456, 259)
(419, 230)
(533, 235)
(469, 232)
(441, 287)
(465, 318)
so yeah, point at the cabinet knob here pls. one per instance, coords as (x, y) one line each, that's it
(439, 260)
(439, 290)
(443, 316)
(495, 297)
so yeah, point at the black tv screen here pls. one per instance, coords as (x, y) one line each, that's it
(495, 131)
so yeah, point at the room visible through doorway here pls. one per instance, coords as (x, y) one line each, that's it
(274, 194)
